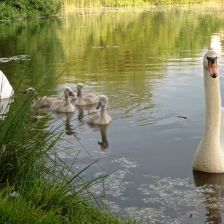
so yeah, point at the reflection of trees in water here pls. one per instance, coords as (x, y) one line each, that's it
(213, 193)
(38, 39)
(126, 52)
(133, 37)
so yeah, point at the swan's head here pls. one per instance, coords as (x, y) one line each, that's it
(79, 87)
(211, 63)
(102, 103)
(68, 91)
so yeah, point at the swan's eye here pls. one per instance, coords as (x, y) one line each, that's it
(212, 60)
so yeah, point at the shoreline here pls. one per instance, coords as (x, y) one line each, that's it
(86, 10)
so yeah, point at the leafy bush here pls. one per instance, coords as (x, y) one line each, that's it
(7, 11)
(10, 9)
(18, 4)
(45, 8)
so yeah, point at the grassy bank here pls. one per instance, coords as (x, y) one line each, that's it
(126, 3)
(12, 9)
(34, 187)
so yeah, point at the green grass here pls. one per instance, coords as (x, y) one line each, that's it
(47, 203)
(29, 166)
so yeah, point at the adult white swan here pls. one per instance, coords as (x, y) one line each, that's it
(6, 90)
(209, 156)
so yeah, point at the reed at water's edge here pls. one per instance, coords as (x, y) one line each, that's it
(126, 3)
(70, 6)
(34, 185)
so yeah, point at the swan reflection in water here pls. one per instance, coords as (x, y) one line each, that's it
(89, 108)
(69, 128)
(104, 144)
(214, 183)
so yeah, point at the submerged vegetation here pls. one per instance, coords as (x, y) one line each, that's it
(34, 182)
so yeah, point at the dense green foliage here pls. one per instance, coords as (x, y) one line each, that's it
(21, 8)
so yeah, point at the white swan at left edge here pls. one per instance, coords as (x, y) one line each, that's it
(6, 90)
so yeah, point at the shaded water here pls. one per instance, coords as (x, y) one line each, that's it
(149, 64)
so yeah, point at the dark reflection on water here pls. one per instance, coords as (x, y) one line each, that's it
(213, 197)
(149, 64)
(104, 143)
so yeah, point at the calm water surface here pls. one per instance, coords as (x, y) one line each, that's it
(149, 64)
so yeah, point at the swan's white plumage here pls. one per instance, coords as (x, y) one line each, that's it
(6, 90)
(209, 156)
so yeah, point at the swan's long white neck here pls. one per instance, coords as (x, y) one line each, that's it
(213, 110)
(209, 156)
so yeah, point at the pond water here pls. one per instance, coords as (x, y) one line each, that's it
(149, 64)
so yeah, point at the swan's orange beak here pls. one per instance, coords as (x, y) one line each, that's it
(213, 67)
(213, 70)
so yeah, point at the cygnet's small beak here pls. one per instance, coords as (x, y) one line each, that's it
(98, 105)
